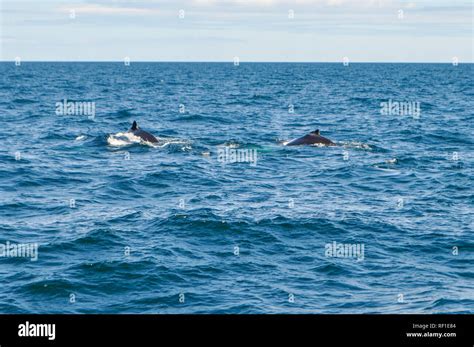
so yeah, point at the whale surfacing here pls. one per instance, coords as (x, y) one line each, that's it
(142, 134)
(311, 139)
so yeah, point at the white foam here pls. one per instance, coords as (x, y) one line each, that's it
(392, 171)
(169, 141)
(318, 145)
(128, 138)
(355, 144)
(123, 139)
(80, 138)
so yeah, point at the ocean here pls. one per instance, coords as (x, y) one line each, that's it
(220, 216)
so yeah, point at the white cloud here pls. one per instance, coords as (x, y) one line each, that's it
(353, 3)
(107, 10)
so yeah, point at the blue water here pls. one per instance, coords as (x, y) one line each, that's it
(237, 237)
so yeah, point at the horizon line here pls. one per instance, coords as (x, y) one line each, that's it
(232, 62)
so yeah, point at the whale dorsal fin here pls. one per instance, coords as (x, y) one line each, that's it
(134, 126)
(316, 132)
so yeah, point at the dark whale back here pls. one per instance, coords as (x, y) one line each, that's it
(144, 135)
(311, 139)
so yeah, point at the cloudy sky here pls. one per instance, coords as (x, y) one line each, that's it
(219, 30)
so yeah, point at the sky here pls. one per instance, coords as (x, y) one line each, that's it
(258, 30)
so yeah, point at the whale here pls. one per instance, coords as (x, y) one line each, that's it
(312, 138)
(142, 134)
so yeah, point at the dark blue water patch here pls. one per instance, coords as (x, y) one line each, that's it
(23, 101)
(124, 113)
(451, 305)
